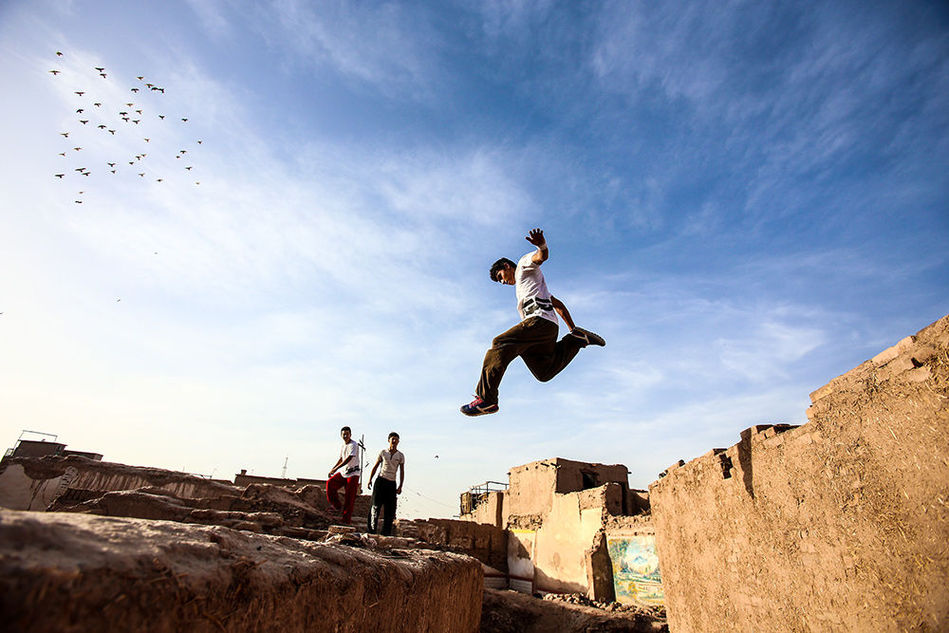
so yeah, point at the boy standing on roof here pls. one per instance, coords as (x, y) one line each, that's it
(385, 494)
(534, 339)
(345, 473)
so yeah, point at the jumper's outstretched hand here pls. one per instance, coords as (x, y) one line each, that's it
(536, 237)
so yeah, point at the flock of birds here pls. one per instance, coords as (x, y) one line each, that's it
(119, 123)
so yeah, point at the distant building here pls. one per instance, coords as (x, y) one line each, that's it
(43, 448)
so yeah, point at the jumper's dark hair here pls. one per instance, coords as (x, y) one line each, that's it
(498, 265)
(393, 434)
(345, 428)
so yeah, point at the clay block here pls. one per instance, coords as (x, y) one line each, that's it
(891, 353)
(920, 374)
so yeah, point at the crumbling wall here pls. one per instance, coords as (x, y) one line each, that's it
(487, 543)
(65, 483)
(531, 488)
(29, 483)
(562, 554)
(489, 511)
(79, 573)
(837, 525)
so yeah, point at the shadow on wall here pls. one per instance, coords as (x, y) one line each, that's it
(744, 461)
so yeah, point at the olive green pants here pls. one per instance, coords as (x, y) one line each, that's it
(535, 341)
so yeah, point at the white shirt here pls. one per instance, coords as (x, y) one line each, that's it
(352, 468)
(390, 463)
(533, 298)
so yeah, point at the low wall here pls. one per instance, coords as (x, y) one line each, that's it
(487, 543)
(840, 524)
(79, 573)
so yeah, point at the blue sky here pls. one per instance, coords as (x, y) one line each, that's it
(745, 199)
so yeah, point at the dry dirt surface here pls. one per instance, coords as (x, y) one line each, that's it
(504, 611)
(77, 573)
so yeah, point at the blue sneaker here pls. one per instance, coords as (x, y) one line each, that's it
(479, 407)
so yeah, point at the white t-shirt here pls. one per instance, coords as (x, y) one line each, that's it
(390, 463)
(352, 468)
(533, 298)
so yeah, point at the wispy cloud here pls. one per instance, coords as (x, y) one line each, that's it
(400, 58)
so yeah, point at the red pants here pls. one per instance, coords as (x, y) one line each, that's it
(336, 482)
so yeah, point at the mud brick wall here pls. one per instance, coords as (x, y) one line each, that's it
(840, 524)
(33, 483)
(79, 573)
(487, 543)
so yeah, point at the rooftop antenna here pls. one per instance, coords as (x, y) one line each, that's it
(283, 475)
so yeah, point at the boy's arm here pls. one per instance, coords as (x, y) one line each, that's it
(562, 311)
(536, 237)
(373, 473)
(398, 490)
(339, 464)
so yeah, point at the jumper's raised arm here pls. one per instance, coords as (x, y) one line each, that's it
(536, 237)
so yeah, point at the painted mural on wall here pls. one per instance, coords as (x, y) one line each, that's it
(636, 576)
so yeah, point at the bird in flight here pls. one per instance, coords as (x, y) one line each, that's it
(134, 89)
(77, 148)
(58, 54)
(97, 104)
(55, 72)
(83, 121)
(80, 92)
(100, 68)
(103, 75)
(59, 175)
(113, 132)
(111, 164)
(102, 126)
(185, 120)
(140, 78)
(161, 116)
(66, 134)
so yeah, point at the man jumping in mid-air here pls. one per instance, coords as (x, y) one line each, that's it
(534, 339)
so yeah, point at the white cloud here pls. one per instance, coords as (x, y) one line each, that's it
(399, 58)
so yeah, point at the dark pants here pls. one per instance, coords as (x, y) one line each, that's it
(336, 482)
(384, 497)
(535, 341)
